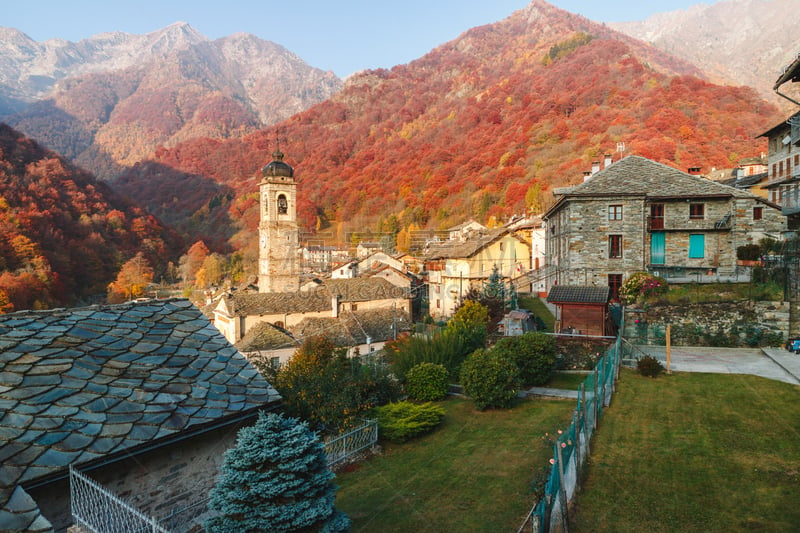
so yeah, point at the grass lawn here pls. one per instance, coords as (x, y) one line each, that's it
(472, 474)
(535, 305)
(695, 452)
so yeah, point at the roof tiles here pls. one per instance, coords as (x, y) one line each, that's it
(79, 384)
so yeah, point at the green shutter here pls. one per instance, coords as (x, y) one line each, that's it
(697, 246)
(658, 248)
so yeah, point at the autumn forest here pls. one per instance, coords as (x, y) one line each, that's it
(482, 127)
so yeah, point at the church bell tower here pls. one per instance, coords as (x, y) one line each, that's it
(277, 229)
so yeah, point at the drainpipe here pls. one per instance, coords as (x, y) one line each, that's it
(792, 100)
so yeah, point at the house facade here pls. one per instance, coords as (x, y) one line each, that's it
(639, 215)
(783, 183)
(454, 267)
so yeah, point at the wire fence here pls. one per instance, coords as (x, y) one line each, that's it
(571, 449)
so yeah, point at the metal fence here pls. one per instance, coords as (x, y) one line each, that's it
(340, 448)
(98, 510)
(572, 447)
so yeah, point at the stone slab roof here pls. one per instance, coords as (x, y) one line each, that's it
(636, 175)
(578, 294)
(455, 249)
(315, 300)
(78, 385)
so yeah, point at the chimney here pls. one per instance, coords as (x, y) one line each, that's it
(595, 167)
(586, 175)
(607, 160)
(334, 306)
(694, 171)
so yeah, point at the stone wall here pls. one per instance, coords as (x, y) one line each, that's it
(690, 323)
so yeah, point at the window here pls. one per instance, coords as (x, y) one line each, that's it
(615, 246)
(656, 216)
(697, 246)
(615, 212)
(697, 211)
(758, 213)
(614, 283)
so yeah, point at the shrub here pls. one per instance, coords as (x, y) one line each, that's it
(276, 478)
(748, 252)
(490, 379)
(641, 285)
(401, 421)
(649, 366)
(448, 348)
(533, 353)
(427, 382)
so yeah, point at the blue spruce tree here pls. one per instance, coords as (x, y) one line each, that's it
(275, 479)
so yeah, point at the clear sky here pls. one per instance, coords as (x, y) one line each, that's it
(344, 36)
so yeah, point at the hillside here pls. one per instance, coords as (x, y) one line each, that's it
(64, 235)
(482, 126)
(111, 100)
(735, 42)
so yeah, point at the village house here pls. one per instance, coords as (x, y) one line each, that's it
(455, 266)
(639, 215)
(143, 398)
(332, 302)
(784, 165)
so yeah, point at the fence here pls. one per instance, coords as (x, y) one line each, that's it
(572, 447)
(98, 510)
(340, 448)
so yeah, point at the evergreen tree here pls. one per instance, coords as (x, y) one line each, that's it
(275, 479)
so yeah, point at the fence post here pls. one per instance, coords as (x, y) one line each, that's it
(577, 445)
(564, 503)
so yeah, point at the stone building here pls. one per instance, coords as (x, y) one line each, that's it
(143, 397)
(639, 215)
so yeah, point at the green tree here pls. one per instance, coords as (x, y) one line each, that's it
(275, 479)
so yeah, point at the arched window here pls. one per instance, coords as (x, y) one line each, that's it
(283, 205)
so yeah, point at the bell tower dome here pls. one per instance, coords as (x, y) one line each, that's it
(277, 230)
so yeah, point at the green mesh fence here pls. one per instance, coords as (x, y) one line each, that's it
(572, 446)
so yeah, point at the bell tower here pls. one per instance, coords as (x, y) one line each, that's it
(277, 229)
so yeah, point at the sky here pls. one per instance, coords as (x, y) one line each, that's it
(344, 36)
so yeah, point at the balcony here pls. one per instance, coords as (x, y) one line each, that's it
(660, 224)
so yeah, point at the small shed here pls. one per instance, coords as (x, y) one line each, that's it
(518, 322)
(581, 309)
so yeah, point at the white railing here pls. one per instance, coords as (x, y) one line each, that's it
(340, 448)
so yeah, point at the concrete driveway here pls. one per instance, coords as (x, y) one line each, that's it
(773, 363)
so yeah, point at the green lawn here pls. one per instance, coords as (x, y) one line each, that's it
(695, 452)
(472, 474)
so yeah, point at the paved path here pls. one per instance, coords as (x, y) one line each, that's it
(773, 363)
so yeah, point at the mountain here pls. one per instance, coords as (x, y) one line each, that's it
(63, 234)
(109, 101)
(735, 42)
(482, 126)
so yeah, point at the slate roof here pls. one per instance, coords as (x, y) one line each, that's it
(639, 176)
(316, 300)
(578, 294)
(454, 249)
(353, 327)
(78, 385)
(265, 336)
